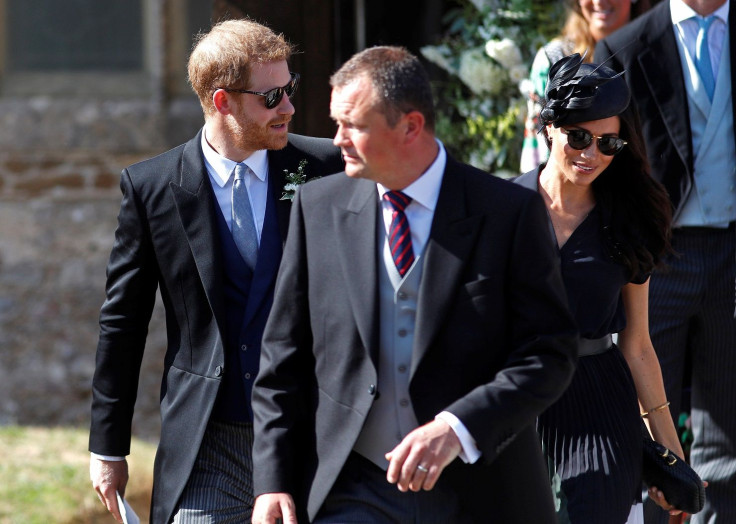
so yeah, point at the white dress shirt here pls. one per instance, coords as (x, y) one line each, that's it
(221, 172)
(686, 30)
(424, 193)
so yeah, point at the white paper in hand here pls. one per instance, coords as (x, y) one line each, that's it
(129, 516)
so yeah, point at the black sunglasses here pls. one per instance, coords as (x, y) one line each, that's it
(580, 139)
(273, 96)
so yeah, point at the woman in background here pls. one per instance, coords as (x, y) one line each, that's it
(587, 22)
(611, 222)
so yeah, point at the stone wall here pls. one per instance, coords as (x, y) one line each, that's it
(57, 219)
(65, 136)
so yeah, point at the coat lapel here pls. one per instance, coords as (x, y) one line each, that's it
(279, 162)
(275, 228)
(195, 203)
(660, 64)
(451, 241)
(355, 224)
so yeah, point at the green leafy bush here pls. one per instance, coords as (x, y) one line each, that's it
(487, 53)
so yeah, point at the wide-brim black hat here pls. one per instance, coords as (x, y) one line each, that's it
(580, 92)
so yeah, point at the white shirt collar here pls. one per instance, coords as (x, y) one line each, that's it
(222, 168)
(681, 11)
(425, 190)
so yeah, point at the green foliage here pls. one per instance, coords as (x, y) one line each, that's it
(685, 432)
(487, 52)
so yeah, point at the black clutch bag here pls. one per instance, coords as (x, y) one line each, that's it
(682, 487)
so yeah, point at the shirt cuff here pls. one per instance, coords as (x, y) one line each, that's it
(110, 458)
(470, 453)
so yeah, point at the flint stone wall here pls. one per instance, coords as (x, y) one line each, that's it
(60, 163)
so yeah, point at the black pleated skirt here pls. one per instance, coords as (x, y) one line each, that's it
(592, 440)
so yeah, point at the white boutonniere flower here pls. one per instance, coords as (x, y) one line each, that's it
(294, 180)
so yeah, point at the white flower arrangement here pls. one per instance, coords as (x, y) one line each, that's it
(505, 52)
(480, 75)
(487, 53)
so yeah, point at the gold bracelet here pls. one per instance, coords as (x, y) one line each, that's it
(654, 410)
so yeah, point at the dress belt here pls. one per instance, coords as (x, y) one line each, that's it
(594, 346)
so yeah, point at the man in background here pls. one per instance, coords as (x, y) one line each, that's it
(677, 60)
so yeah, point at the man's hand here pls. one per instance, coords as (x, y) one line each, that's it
(416, 463)
(273, 508)
(107, 477)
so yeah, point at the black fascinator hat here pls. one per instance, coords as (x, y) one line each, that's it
(580, 92)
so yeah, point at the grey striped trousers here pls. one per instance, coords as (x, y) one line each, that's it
(220, 487)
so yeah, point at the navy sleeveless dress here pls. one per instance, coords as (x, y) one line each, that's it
(591, 436)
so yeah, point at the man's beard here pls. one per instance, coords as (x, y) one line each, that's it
(250, 136)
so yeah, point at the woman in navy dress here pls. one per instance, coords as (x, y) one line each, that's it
(611, 223)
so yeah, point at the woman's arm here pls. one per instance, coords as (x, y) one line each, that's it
(637, 348)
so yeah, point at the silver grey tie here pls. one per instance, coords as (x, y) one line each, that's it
(243, 224)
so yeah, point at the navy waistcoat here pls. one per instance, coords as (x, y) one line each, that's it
(248, 296)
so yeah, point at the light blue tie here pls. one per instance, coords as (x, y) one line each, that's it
(243, 224)
(702, 55)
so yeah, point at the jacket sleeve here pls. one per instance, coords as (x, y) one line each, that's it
(132, 274)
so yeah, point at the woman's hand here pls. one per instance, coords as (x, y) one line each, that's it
(659, 498)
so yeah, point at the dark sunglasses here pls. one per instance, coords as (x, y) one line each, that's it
(580, 139)
(273, 96)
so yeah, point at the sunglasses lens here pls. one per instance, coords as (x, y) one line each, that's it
(609, 145)
(273, 97)
(578, 138)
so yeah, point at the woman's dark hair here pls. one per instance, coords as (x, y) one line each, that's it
(636, 210)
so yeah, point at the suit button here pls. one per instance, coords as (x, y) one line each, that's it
(372, 389)
(244, 347)
(247, 376)
(403, 403)
(402, 333)
(218, 371)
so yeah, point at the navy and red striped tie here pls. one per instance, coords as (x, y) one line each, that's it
(399, 234)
